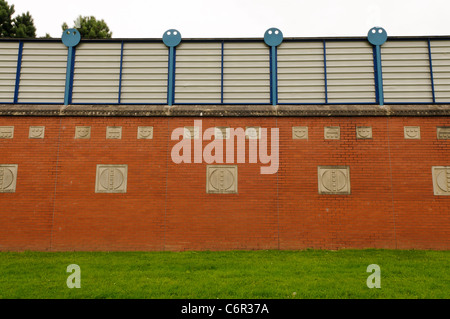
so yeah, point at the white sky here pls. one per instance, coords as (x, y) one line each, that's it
(244, 18)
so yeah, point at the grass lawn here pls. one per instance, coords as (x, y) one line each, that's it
(226, 275)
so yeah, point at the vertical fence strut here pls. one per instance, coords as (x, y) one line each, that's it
(221, 73)
(19, 68)
(120, 74)
(377, 36)
(273, 75)
(69, 76)
(431, 71)
(171, 77)
(70, 38)
(325, 70)
(171, 39)
(273, 38)
(379, 75)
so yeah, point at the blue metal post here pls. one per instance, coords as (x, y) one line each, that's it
(171, 39)
(325, 70)
(69, 76)
(70, 38)
(273, 38)
(273, 74)
(379, 75)
(431, 71)
(377, 37)
(19, 68)
(221, 74)
(120, 74)
(171, 77)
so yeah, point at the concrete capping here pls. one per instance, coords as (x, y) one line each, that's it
(123, 110)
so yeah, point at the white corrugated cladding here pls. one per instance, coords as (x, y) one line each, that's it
(350, 72)
(406, 71)
(43, 73)
(97, 73)
(198, 72)
(246, 72)
(8, 65)
(144, 73)
(440, 53)
(301, 76)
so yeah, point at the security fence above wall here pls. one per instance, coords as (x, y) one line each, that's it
(226, 71)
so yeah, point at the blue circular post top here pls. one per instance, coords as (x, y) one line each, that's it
(71, 37)
(377, 36)
(172, 38)
(273, 37)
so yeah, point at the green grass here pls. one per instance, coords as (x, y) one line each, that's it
(226, 275)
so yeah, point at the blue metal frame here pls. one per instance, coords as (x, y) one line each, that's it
(18, 71)
(273, 65)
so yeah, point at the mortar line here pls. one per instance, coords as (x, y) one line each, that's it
(278, 197)
(392, 187)
(56, 183)
(167, 179)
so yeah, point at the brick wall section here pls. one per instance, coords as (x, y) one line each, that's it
(166, 206)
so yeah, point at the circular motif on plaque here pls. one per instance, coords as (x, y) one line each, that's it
(443, 181)
(334, 181)
(221, 179)
(6, 178)
(111, 178)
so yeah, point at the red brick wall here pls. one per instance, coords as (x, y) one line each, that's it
(166, 207)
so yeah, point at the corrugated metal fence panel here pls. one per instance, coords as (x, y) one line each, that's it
(8, 66)
(43, 73)
(246, 72)
(406, 72)
(144, 73)
(97, 73)
(198, 72)
(350, 72)
(440, 53)
(301, 76)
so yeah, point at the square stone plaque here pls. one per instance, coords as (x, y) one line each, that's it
(192, 132)
(114, 132)
(36, 132)
(8, 178)
(221, 179)
(334, 180)
(443, 132)
(82, 132)
(441, 180)
(145, 132)
(253, 132)
(412, 132)
(222, 132)
(111, 179)
(364, 132)
(332, 132)
(6, 131)
(300, 132)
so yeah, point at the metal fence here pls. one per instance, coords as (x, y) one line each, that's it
(225, 71)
